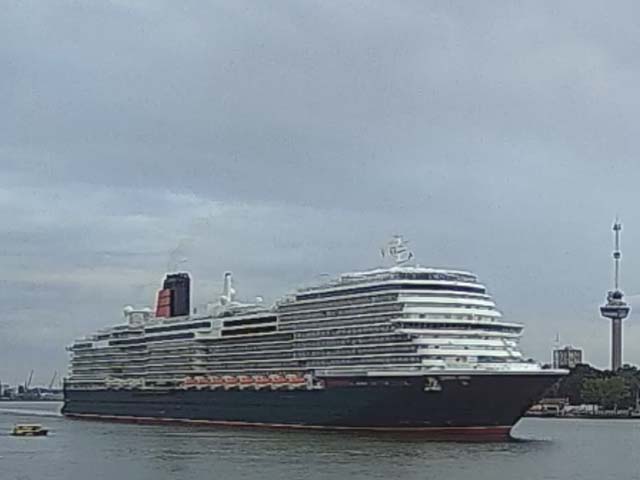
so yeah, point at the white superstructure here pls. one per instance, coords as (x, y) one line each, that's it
(393, 320)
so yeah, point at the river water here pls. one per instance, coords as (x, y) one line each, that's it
(546, 449)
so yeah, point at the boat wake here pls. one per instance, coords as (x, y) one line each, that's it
(31, 413)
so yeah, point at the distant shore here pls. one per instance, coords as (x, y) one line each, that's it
(603, 416)
(23, 400)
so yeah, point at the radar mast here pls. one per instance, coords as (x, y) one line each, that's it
(397, 251)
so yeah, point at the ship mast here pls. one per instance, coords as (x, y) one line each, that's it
(397, 251)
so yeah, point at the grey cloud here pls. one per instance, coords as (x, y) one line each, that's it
(284, 141)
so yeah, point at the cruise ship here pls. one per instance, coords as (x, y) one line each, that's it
(397, 348)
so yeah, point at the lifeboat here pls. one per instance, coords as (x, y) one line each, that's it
(277, 381)
(260, 381)
(295, 381)
(202, 382)
(215, 382)
(245, 381)
(229, 382)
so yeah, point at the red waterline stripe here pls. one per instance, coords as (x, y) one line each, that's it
(484, 432)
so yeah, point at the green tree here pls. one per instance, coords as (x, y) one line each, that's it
(614, 391)
(592, 390)
(605, 392)
(571, 386)
(631, 377)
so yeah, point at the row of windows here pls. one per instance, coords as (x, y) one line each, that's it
(249, 356)
(110, 349)
(453, 305)
(106, 365)
(179, 370)
(459, 326)
(126, 334)
(465, 347)
(175, 336)
(357, 310)
(181, 326)
(172, 360)
(105, 374)
(294, 307)
(249, 321)
(257, 339)
(96, 355)
(249, 330)
(361, 330)
(84, 361)
(451, 277)
(446, 316)
(489, 359)
(249, 348)
(361, 361)
(305, 363)
(383, 287)
(230, 367)
(188, 349)
(355, 351)
(410, 298)
(353, 341)
(338, 322)
(208, 349)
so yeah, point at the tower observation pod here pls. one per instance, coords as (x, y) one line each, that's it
(616, 309)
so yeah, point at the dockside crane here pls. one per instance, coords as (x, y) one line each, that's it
(53, 379)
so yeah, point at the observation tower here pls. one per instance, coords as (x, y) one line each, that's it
(616, 309)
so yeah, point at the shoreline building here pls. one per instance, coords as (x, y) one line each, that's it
(616, 309)
(567, 357)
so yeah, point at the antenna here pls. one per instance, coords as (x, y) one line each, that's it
(617, 255)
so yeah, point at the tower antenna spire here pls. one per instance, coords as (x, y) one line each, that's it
(617, 255)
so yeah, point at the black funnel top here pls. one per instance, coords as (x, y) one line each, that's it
(180, 286)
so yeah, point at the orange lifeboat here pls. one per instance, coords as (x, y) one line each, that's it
(277, 381)
(245, 381)
(215, 382)
(202, 382)
(260, 381)
(229, 381)
(295, 381)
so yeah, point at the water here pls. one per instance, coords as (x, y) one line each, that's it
(549, 449)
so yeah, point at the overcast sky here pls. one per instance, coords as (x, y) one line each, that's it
(285, 140)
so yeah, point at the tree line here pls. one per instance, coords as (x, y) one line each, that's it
(607, 389)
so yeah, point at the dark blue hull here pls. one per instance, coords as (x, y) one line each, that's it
(486, 405)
